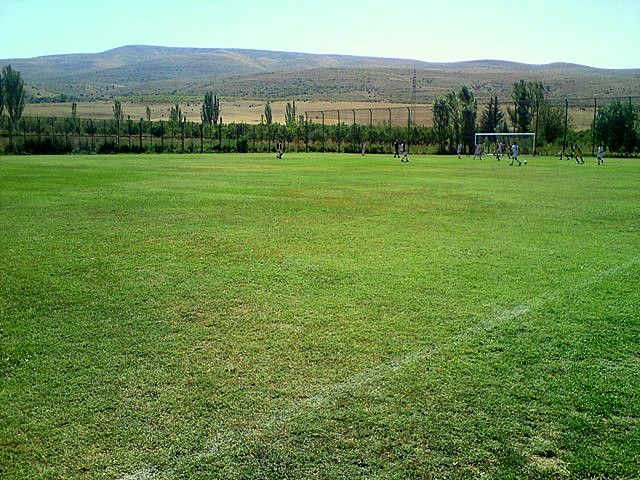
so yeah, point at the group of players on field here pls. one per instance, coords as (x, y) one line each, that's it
(501, 149)
(513, 151)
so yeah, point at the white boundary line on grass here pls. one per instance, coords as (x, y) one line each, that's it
(328, 394)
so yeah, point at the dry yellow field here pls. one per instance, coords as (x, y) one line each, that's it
(250, 111)
(247, 111)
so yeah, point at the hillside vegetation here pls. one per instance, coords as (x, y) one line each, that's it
(150, 70)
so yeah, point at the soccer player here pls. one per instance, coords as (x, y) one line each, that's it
(363, 148)
(279, 149)
(515, 151)
(578, 153)
(599, 155)
(498, 150)
(562, 154)
(477, 152)
(396, 147)
(459, 150)
(506, 151)
(405, 152)
(572, 152)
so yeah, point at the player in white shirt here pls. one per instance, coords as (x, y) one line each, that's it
(477, 152)
(459, 150)
(498, 150)
(515, 151)
(405, 152)
(599, 155)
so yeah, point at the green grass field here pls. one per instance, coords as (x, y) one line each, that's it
(329, 317)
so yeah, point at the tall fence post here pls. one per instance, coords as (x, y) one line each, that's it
(535, 137)
(408, 127)
(253, 133)
(182, 137)
(370, 136)
(93, 140)
(593, 127)
(354, 127)
(323, 131)
(78, 131)
(339, 133)
(306, 132)
(566, 119)
(390, 129)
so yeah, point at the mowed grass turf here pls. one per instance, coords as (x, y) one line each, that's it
(320, 316)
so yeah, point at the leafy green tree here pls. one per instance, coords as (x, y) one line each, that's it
(442, 114)
(524, 105)
(536, 91)
(617, 127)
(175, 114)
(216, 110)
(91, 128)
(290, 114)
(1, 95)
(492, 116)
(118, 116)
(210, 111)
(268, 116)
(73, 121)
(13, 92)
(454, 118)
(206, 113)
(468, 107)
(550, 122)
(356, 134)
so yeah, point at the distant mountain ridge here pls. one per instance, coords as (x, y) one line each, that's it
(151, 70)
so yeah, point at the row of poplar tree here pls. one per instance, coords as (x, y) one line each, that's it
(11, 95)
(616, 125)
(455, 115)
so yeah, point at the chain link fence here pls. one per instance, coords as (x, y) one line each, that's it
(558, 125)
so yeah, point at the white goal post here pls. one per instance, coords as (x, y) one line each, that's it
(506, 137)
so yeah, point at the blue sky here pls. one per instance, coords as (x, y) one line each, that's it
(600, 33)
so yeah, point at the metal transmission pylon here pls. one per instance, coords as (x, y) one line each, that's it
(413, 87)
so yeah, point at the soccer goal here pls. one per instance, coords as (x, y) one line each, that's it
(489, 141)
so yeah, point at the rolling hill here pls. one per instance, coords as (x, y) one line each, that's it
(151, 70)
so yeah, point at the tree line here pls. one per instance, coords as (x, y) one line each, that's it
(11, 96)
(617, 125)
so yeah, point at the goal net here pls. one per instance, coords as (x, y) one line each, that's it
(489, 141)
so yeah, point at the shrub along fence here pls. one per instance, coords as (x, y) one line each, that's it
(56, 135)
